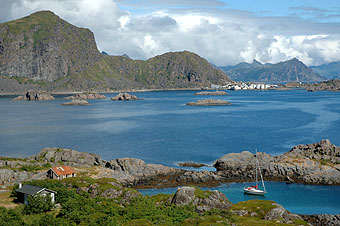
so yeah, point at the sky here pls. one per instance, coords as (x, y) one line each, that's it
(225, 32)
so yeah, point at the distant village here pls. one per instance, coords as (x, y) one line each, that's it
(244, 86)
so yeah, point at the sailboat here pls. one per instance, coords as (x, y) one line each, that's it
(254, 190)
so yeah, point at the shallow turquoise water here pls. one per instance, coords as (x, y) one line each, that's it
(297, 198)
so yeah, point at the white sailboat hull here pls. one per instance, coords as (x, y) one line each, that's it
(253, 191)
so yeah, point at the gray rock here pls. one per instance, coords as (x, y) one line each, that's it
(125, 97)
(183, 196)
(322, 219)
(281, 214)
(68, 157)
(85, 96)
(76, 103)
(35, 95)
(211, 200)
(312, 163)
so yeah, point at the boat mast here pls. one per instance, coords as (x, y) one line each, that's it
(264, 188)
(256, 169)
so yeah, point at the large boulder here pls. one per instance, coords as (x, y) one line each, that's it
(202, 200)
(281, 215)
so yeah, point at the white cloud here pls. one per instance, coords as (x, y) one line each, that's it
(223, 36)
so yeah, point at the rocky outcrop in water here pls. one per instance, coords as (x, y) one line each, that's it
(125, 97)
(207, 93)
(35, 95)
(85, 96)
(331, 85)
(76, 103)
(312, 163)
(209, 102)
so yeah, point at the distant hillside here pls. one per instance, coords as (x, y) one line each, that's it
(329, 71)
(43, 51)
(289, 71)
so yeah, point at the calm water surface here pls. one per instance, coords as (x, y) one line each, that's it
(161, 129)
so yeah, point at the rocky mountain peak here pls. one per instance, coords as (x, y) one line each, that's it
(43, 46)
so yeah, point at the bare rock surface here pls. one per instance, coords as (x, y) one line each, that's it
(35, 95)
(281, 214)
(76, 103)
(322, 219)
(202, 200)
(316, 163)
(208, 102)
(68, 157)
(125, 97)
(85, 96)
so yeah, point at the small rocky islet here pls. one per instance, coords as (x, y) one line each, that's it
(85, 96)
(210, 93)
(76, 103)
(125, 97)
(209, 102)
(32, 95)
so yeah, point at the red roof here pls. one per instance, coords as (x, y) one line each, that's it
(63, 170)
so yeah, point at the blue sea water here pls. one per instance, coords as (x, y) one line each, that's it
(162, 129)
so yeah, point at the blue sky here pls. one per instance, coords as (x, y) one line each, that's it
(225, 32)
(326, 10)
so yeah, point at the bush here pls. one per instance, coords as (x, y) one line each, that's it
(38, 204)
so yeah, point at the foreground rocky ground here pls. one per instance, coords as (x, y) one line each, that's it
(317, 163)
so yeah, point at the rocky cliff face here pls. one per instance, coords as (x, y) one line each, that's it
(44, 47)
(43, 51)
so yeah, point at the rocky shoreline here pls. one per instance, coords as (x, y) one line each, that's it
(317, 163)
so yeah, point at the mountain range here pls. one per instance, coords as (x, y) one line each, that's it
(329, 71)
(44, 51)
(289, 71)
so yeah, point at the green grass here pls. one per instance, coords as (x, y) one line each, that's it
(260, 207)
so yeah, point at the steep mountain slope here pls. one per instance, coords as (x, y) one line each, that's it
(289, 71)
(44, 47)
(46, 52)
(329, 71)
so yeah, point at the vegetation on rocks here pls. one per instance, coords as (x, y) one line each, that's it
(77, 206)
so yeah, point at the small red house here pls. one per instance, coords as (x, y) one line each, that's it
(61, 172)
